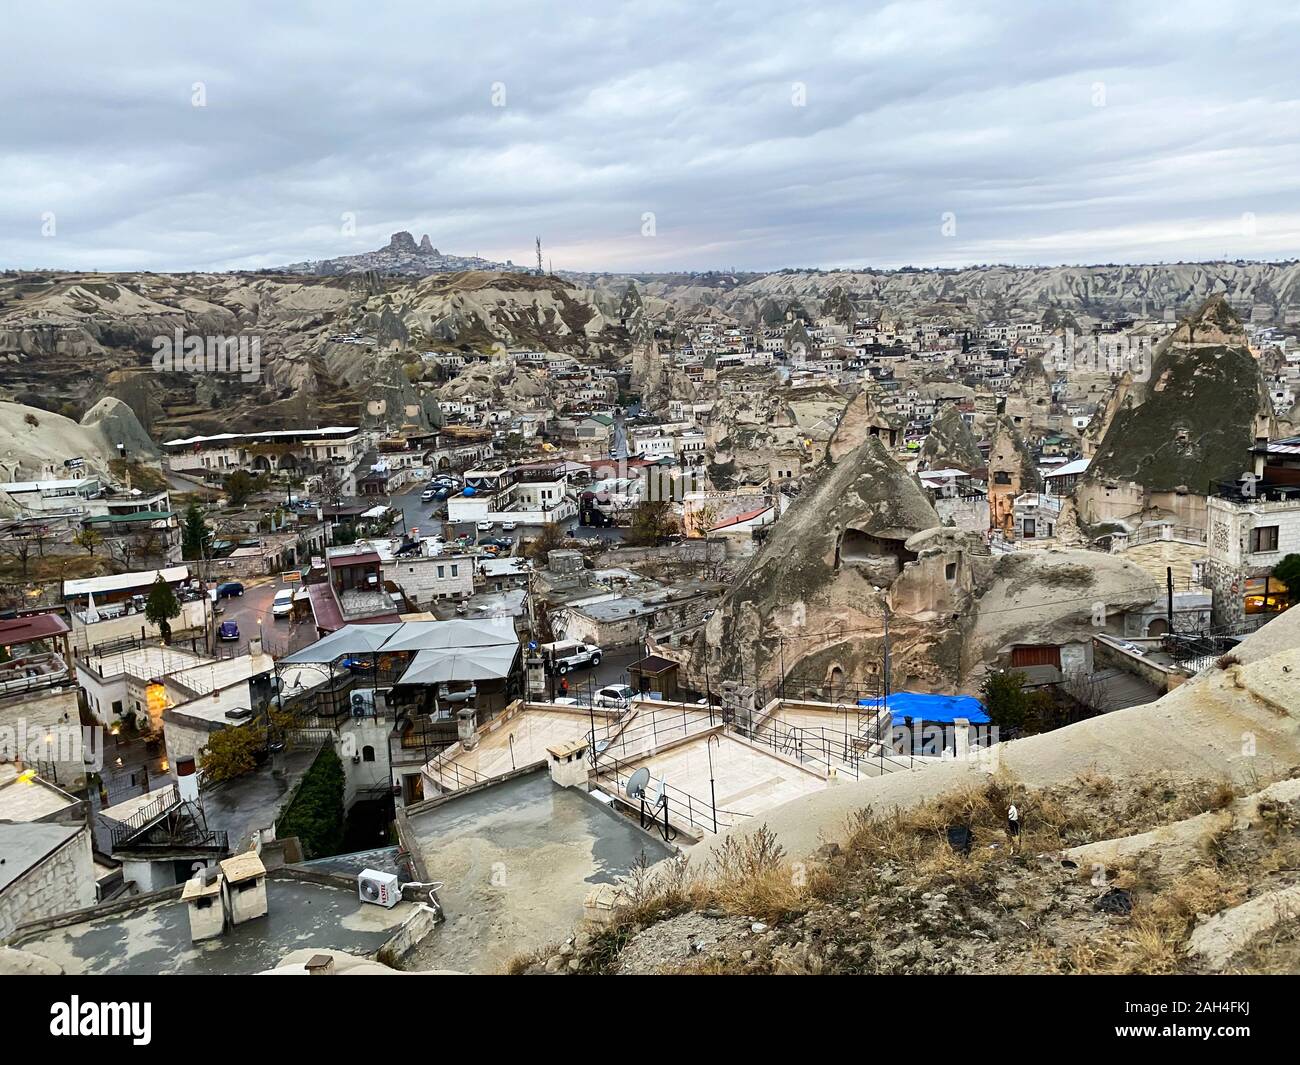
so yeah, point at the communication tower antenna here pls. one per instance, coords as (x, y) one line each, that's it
(539, 257)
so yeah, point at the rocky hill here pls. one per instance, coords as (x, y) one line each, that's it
(403, 256)
(1110, 289)
(1195, 418)
(69, 340)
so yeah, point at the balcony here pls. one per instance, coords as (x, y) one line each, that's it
(1249, 490)
(33, 673)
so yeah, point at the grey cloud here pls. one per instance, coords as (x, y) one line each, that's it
(683, 110)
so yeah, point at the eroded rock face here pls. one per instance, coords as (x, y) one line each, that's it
(950, 444)
(117, 424)
(402, 244)
(1193, 421)
(823, 571)
(1012, 473)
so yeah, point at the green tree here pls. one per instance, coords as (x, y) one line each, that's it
(1005, 699)
(239, 487)
(195, 533)
(547, 539)
(89, 539)
(1288, 572)
(161, 607)
(316, 814)
(652, 519)
(231, 752)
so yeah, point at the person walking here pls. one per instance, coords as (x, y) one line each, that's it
(1013, 828)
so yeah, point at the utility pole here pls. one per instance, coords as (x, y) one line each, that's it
(1169, 592)
(540, 272)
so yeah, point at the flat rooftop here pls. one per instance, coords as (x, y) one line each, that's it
(516, 860)
(509, 743)
(154, 937)
(747, 780)
(32, 800)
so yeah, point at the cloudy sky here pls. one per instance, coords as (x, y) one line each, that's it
(650, 136)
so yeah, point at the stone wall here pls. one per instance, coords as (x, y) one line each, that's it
(64, 881)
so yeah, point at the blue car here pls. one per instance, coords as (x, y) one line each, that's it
(228, 630)
(229, 590)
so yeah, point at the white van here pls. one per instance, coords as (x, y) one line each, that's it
(282, 604)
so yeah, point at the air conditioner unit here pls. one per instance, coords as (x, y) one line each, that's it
(362, 702)
(380, 888)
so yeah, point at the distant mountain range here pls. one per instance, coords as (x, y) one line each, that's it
(402, 255)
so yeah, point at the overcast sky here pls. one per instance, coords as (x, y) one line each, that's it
(650, 136)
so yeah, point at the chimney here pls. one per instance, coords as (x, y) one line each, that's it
(187, 780)
(319, 965)
(467, 728)
(568, 763)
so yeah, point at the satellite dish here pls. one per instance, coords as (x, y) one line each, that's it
(661, 793)
(636, 783)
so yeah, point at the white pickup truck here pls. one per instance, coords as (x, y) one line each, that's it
(570, 654)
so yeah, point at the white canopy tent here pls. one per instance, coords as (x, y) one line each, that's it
(471, 663)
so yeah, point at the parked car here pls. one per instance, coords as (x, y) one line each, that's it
(228, 589)
(282, 604)
(429, 495)
(485, 525)
(229, 630)
(572, 655)
(618, 697)
(509, 526)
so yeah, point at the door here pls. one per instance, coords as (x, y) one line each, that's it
(1035, 655)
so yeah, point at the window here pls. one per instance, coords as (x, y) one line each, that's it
(442, 570)
(1264, 538)
(950, 571)
(1002, 477)
(455, 571)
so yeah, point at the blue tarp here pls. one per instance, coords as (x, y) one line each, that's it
(938, 709)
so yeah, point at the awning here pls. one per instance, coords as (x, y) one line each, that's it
(460, 636)
(457, 633)
(351, 639)
(469, 663)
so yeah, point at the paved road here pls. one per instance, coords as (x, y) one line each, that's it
(280, 635)
(418, 515)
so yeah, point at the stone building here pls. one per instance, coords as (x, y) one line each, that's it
(45, 869)
(1012, 473)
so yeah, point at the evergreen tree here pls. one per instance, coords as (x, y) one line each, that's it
(194, 534)
(161, 607)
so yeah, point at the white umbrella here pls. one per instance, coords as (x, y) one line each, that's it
(91, 615)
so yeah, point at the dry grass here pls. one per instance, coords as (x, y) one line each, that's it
(521, 963)
(892, 860)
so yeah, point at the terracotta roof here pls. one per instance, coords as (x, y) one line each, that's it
(35, 627)
(747, 516)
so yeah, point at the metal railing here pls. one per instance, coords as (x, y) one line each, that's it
(460, 775)
(683, 807)
(658, 726)
(145, 816)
